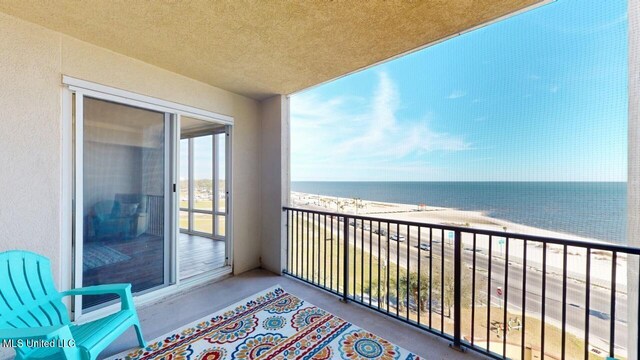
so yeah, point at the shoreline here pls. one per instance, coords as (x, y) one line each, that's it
(438, 215)
(600, 261)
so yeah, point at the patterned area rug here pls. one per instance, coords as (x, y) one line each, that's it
(272, 324)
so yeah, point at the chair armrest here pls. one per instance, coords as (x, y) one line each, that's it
(122, 290)
(46, 332)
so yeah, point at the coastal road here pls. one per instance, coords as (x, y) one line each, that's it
(600, 298)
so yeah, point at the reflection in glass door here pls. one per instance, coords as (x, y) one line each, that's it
(124, 194)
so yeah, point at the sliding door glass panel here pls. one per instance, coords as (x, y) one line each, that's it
(203, 223)
(203, 172)
(221, 164)
(184, 220)
(123, 192)
(221, 225)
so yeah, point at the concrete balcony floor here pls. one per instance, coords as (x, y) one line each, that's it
(162, 317)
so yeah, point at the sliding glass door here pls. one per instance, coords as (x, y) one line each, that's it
(123, 196)
(150, 193)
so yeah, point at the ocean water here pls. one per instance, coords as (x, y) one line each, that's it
(590, 209)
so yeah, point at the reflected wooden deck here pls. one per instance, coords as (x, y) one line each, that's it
(142, 262)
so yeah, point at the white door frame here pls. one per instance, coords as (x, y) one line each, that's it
(78, 220)
(72, 181)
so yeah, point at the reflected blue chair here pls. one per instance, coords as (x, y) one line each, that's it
(125, 216)
(31, 309)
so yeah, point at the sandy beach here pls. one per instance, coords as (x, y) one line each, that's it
(600, 261)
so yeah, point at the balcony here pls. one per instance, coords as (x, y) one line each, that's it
(430, 288)
(543, 276)
(500, 294)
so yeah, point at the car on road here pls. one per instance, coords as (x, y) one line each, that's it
(599, 314)
(396, 237)
(424, 246)
(382, 232)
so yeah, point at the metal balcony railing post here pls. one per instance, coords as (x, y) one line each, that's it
(457, 290)
(287, 267)
(345, 261)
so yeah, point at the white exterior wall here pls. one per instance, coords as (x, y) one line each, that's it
(275, 180)
(31, 135)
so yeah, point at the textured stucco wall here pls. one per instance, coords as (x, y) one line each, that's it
(31, 64)
(29, 139)
(275, 180)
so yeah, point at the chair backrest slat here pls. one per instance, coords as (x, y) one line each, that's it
(57, 312)
(50, 314)
(7, 289)
(47, 319)
(5, 306)
(29, 294)
(12, 324)
(18, 281)
(27, 265)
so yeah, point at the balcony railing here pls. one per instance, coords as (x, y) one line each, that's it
(502, 294)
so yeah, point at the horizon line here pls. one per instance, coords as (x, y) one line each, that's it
(508, 181)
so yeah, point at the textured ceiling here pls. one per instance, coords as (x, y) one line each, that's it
(259, 48)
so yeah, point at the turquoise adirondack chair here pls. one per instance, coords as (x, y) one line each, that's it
(32, 312)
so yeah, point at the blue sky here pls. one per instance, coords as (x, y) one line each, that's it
(203, 158)
(541, 96)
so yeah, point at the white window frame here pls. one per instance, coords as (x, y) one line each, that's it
(72, 154)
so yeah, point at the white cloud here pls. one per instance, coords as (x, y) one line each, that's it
(310, 110)
(381, 120)
(384, 137)
(351, 138)
(456, 94)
